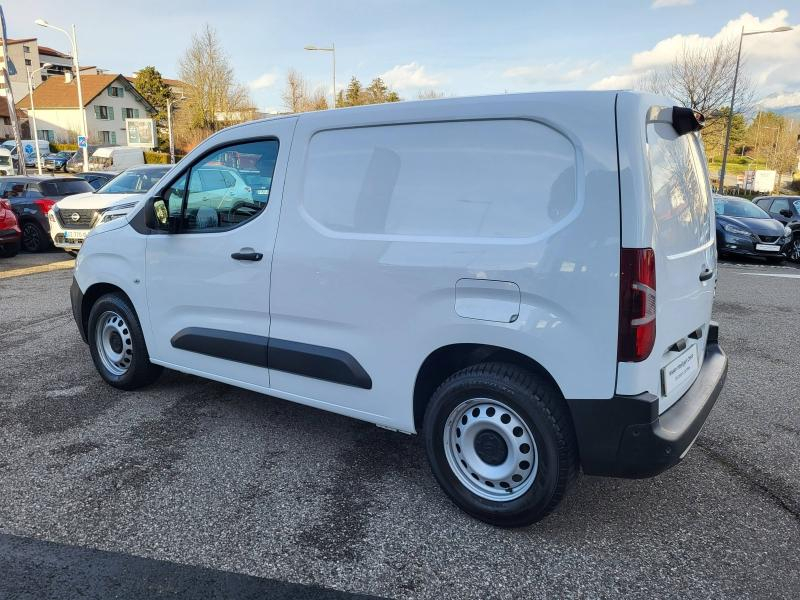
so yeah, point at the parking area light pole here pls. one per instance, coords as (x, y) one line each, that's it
(32, 113)
(73, 39)
(733, 99)
(332, 50)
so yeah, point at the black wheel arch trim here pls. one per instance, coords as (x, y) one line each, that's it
(307, 360)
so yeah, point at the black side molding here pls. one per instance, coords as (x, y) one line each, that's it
(308, 360)
(76, 299)
(685, 120)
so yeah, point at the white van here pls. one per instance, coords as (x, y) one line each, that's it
(526, 279)
(116, 158)
(6, 164)
(29, 149)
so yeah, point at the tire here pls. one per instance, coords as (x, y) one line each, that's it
(794, 249)
(121, 360)
(34, 238)
(9, 250)
(534, 408)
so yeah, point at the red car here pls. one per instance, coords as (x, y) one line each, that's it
(10, 233)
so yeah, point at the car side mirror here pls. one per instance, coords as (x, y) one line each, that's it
(157, 215)
(786, 213)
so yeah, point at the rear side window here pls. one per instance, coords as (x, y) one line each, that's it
(680, 189)
(65, 187)
(492, 179)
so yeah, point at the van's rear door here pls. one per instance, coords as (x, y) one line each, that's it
(673, 215)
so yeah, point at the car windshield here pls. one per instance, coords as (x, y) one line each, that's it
(64, 187)
(134, 181)
(739, 208)
(63, 154)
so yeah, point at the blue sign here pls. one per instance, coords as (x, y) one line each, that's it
(81, 141)
(12, 70)
(28, 148)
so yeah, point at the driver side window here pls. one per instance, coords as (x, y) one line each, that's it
(226, 188)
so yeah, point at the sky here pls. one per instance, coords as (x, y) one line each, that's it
(455, 47)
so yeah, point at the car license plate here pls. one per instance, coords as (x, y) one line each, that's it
(680, 370)
(768, 248)
(75, 235)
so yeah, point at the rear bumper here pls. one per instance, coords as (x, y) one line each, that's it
(10, 235)
(626, 437)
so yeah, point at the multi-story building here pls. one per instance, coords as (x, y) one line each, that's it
(26, 54)
(108, 100)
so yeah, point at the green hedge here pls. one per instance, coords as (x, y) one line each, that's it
(156, 158)
(63, 147)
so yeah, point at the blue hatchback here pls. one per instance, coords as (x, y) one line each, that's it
(744, 228)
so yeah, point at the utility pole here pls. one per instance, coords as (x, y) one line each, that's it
(12, 109)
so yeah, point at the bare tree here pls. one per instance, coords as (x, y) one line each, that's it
(430, 95)
(297, 96)
(214, 97)
(702, 78)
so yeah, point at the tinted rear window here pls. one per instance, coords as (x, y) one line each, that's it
(64, 187)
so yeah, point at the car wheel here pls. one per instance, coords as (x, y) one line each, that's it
(501, 443)
(117, 344)
(794, 249)
(9, 250)
(34, 239)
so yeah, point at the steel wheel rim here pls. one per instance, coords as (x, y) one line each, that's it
(30, 237)
(114, 343)
(467, 447)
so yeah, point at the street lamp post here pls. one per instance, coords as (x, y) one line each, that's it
(32, 113)
(733, 98)
(332, 50)
(74, 42)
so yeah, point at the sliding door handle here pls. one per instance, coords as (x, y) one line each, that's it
(254, 256)
(706, 275)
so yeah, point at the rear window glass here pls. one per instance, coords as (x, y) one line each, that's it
(64, 187)
(493, 179)
(680, 189)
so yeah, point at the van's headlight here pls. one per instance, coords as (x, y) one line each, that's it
(787, 232)
(110, 217)
(735, 230)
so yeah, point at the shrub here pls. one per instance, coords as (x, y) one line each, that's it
(54, 147)
(156, 158)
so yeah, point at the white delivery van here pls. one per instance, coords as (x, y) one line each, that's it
(6, 164)
(29, 150)
(116, 158)
(527, 280)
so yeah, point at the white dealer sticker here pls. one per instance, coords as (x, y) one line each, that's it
(680, 370)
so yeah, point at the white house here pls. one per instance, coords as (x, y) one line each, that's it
(108, 100)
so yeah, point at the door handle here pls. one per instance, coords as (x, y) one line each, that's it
(254, 256)
(706, 275)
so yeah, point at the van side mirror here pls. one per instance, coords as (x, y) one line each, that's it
(157, 216)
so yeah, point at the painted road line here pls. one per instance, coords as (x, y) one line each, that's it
(784, 275)
(56, 266)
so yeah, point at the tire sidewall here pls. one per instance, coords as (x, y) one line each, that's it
(141, 360)
(41, 245)
(538, 498)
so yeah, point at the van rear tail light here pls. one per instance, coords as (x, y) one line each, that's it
(44, 204)
(637, 304)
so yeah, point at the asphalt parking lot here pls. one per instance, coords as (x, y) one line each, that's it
(196, 489)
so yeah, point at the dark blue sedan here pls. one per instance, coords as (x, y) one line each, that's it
(745, 229)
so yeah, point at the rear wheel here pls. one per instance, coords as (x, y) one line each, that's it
(501, 444)
(117, 344)
(9, 250)
(34, 238)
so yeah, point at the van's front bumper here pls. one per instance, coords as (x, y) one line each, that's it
(626, 437)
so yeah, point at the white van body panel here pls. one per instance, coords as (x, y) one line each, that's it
(121, 157)
(387, 295)
(8, 167)
(666, 206)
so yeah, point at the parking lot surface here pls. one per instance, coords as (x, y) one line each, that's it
(195, 488)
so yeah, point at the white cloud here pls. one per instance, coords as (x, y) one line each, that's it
(772, 61)
(669, 3)
(559, 72)
(411, 76)
(264, 81)
(781, 100)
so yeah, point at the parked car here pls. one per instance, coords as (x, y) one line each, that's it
(375, 280)
(32, 198)
(73, 217)
(97, 179)
(10, 233)
(57, 161)
(75, 164)
(116, 158)
(785, 209)
(743, 228)
(29, 150)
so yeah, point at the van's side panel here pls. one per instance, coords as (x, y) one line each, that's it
(355, 271)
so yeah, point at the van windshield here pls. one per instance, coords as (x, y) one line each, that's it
(134, 181)
(5, 160)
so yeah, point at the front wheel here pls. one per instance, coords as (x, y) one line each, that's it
(793, 252)
(501, 444)
(117, 344)
(34, 238)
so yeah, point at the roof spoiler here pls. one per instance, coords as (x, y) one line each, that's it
(683, 120)
(686, 120)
